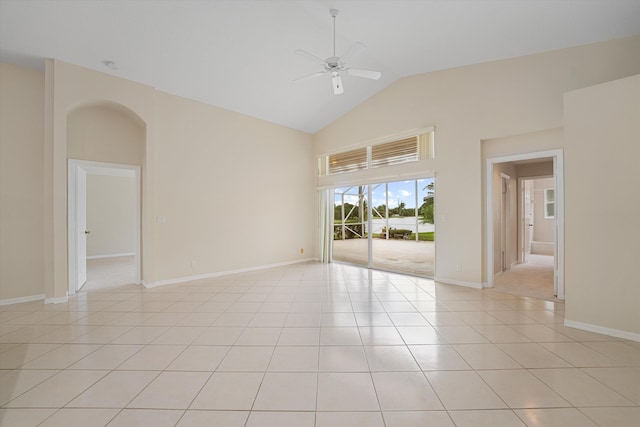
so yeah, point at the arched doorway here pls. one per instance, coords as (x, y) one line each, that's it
(108, 140)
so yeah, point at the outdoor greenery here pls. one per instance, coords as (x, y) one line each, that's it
(348, 207)
(400, 211)
(358, 213)
(426, 210)
(352, 231)
(398, 233)
(428, 236)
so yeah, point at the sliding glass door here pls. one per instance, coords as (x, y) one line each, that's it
(350, 225)
(386, 226)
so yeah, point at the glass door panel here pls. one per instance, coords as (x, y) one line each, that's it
(399, 236)
(350, 225)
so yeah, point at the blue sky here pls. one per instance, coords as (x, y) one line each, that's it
(399, 191)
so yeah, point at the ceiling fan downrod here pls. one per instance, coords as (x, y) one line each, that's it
(334, 13)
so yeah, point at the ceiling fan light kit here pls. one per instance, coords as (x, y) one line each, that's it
(338, 64)
(337, 83)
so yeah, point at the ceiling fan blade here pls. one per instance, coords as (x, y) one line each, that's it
(310, 56)
(367, 74)
(310, 76)
(355, 50)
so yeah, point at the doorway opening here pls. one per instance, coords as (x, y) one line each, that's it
(524, 224)
(104, 225)
(386, 226)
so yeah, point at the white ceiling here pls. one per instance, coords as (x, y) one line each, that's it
(239, 54)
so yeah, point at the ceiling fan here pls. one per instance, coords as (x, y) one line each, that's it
(338, 64)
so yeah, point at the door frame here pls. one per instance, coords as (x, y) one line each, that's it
(505, 215)
(72, 216)
(558, 175)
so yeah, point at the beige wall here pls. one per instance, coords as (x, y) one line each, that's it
(236, 192)
(21, 182)
(602, 130)
(540, 169)
(468, 105)
(227, 186)
(543, 228)
(105, 133)
(111, 210)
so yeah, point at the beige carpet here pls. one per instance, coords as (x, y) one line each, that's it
(532, 279)
(110, 272)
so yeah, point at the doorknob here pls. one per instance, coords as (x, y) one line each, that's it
(87, 232)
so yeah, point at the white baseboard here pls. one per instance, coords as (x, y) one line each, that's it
(632, 336)
(56, 300)
(19, 300)
(543, 248)
(110, 255)
(473, 285)
(221, 273)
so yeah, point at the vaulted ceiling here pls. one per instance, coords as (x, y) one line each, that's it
(239, 54)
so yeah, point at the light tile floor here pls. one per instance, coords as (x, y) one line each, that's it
(310, 345)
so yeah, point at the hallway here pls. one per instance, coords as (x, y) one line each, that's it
(532, 279)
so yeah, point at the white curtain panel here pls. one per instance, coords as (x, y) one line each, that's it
(326, 224)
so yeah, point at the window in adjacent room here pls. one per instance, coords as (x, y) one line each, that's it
(549, 203)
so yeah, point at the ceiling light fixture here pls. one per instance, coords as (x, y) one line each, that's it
(110, 65)
(337, 83)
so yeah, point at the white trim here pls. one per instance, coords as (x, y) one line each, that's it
(111, 255)
(602, 330)
(380, 140)
(20, 300)
(72, 213)
(222, 273)
(558, 169)
(351, 180)
(95, 168)
(57, 300)
(473, 285)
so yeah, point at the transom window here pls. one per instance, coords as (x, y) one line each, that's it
(410, 149)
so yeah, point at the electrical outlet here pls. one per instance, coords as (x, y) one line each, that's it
(193, 264)
(458, 268)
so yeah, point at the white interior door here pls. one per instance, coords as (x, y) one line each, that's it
(81, 224)
(527, 219)
(504, 218)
